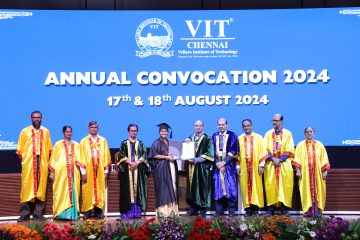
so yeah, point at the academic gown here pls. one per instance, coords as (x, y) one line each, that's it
(164, 187)
(225, 185)
(312, 159)
(279, 181)
(93, 191)
(133, 184)
(252, 155)
(31, 143)
(66, 183)
(198, 176)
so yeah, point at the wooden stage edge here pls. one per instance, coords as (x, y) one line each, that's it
(343, 195)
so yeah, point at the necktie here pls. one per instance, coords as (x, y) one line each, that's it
(197, 136)
(221, 143)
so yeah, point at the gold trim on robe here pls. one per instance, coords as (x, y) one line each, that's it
(222, 156)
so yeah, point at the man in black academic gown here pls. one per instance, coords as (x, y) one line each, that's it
(198, 172)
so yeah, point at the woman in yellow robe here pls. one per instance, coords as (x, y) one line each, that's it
(311, 162)
(65, 176)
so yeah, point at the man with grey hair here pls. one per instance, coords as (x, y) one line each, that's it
(312, 164)
(198, 172)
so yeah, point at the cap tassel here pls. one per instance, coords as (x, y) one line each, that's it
(170, 134)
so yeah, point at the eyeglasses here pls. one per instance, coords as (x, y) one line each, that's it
(276, 120)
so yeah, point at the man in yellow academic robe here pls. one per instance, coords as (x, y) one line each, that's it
(65, 176)
(311, 162)
(96, 160)
(279, 174)
(251, 160)
(33, 148)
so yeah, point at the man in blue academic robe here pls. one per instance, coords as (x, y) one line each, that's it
(226, 148)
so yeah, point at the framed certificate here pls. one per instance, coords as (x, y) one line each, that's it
(188, 150)
(175, 148)
(182, 151)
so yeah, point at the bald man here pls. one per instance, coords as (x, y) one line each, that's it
(279, 175)
(226, 148)
(198, 174)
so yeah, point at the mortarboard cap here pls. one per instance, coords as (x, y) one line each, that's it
(164, 126)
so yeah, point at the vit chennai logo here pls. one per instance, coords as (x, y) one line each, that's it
(154, 37)
(208, 33)
(208, 38)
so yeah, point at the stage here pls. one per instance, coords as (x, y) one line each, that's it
(343, 195)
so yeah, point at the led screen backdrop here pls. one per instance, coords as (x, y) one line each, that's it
(148, 67)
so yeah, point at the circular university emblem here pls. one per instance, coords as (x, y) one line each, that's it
(154, 37)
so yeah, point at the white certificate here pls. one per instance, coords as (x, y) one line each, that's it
(188, 150)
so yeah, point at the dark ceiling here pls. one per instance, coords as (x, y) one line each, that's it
(173, 4)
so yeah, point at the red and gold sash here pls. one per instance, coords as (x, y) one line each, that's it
(35, 166)
(249, 154)
(311, 155)
(95, 162)
(277, 153)
(69, 167)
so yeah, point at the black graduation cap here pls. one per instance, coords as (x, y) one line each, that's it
(164, 126)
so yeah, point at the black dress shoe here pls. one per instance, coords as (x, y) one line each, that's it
(270, 212)
(231, 214)
(190, 213)
(318, 214)
(99, 215)
(87, 215)
(218, 215)
(202, 213)
(256, 213)
(248, 213)
(23, 218)
(285, 212)
(39, 218)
